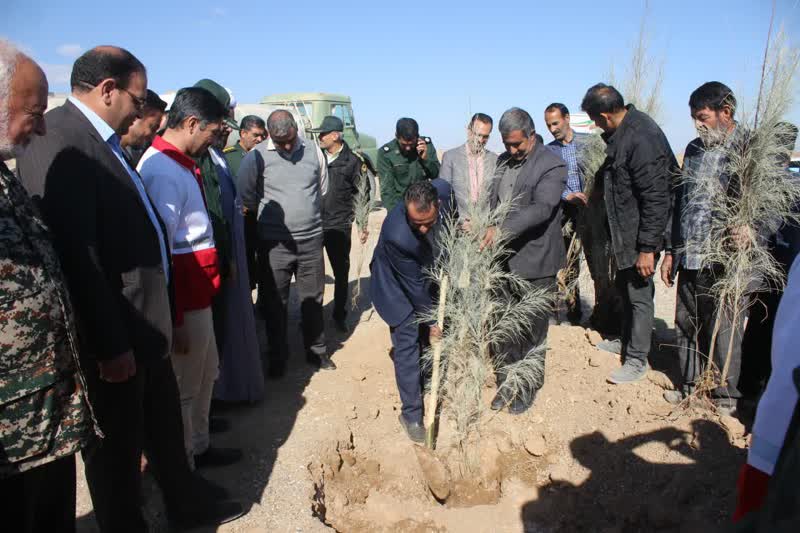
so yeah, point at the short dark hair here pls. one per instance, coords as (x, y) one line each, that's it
(407, 128)
(154, 102)
(481, 117)
(602, 98)
(195, 102)
(516, 119)
(101, 63)
(252, 121)
(713, 95)
(422, 194)
(557, 106)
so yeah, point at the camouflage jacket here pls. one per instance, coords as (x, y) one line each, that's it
(44, 409)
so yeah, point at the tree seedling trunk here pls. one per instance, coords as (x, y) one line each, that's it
(430, 414)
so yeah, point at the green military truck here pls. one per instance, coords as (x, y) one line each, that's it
(308, 110)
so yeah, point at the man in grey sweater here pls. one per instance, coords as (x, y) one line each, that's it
(283, 181)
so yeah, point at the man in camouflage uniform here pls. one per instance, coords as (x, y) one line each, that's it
(405, 160)
(44, 413)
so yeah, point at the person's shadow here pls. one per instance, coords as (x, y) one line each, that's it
(627, 493)
(259, 430)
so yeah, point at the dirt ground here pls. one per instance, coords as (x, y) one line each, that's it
(325, 450)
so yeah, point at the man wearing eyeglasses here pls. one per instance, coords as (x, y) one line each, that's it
(111, 244)
(469, 168)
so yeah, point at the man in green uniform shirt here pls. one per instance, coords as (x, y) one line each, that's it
(405, 160)
(252, 131)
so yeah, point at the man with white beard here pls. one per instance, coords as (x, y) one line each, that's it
(44, 413)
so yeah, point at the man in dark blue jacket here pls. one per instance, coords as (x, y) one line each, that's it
(400, 290)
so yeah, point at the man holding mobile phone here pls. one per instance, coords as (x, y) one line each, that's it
(406, 159)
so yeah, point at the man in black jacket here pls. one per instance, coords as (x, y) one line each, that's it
(345, 169)
(533, 178)
(636, 176)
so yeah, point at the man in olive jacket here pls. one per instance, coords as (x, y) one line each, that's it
(406, 159)
(636, 178)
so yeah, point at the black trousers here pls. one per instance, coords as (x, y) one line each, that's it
(637, 313)
(41, 500)
(573, 298)
(142, 413)
(535, 345)
(408, 340)
(757, 342)
(279, 261)
(337, 245)
(696, 312)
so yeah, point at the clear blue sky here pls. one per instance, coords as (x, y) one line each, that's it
(434, 61)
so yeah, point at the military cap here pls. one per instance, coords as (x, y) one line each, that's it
(329, 123)
(222, 95)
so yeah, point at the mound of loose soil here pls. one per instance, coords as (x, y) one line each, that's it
(588, 456)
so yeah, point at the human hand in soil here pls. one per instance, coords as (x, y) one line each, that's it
(363, 237)
(666, 270)
(488, 239)
(646, 264)
(436, 332)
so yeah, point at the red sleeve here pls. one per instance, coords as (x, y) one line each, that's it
(751, 491)
(197, 280)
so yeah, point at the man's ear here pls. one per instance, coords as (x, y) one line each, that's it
(191, 123)
(727, 112)
(106, 87)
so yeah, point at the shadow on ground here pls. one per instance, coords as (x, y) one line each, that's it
(626, 493)
(261, 429)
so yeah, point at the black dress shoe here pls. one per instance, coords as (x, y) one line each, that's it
(574, 317)
(218, 457)
(209, 514)
(218, 425)
(519, 405)
(414, 430)
(500, 399)
(323, 362)
(277, 369)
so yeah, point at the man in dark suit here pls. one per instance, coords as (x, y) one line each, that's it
(400, 290)
(532, 178)
(117, 265)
